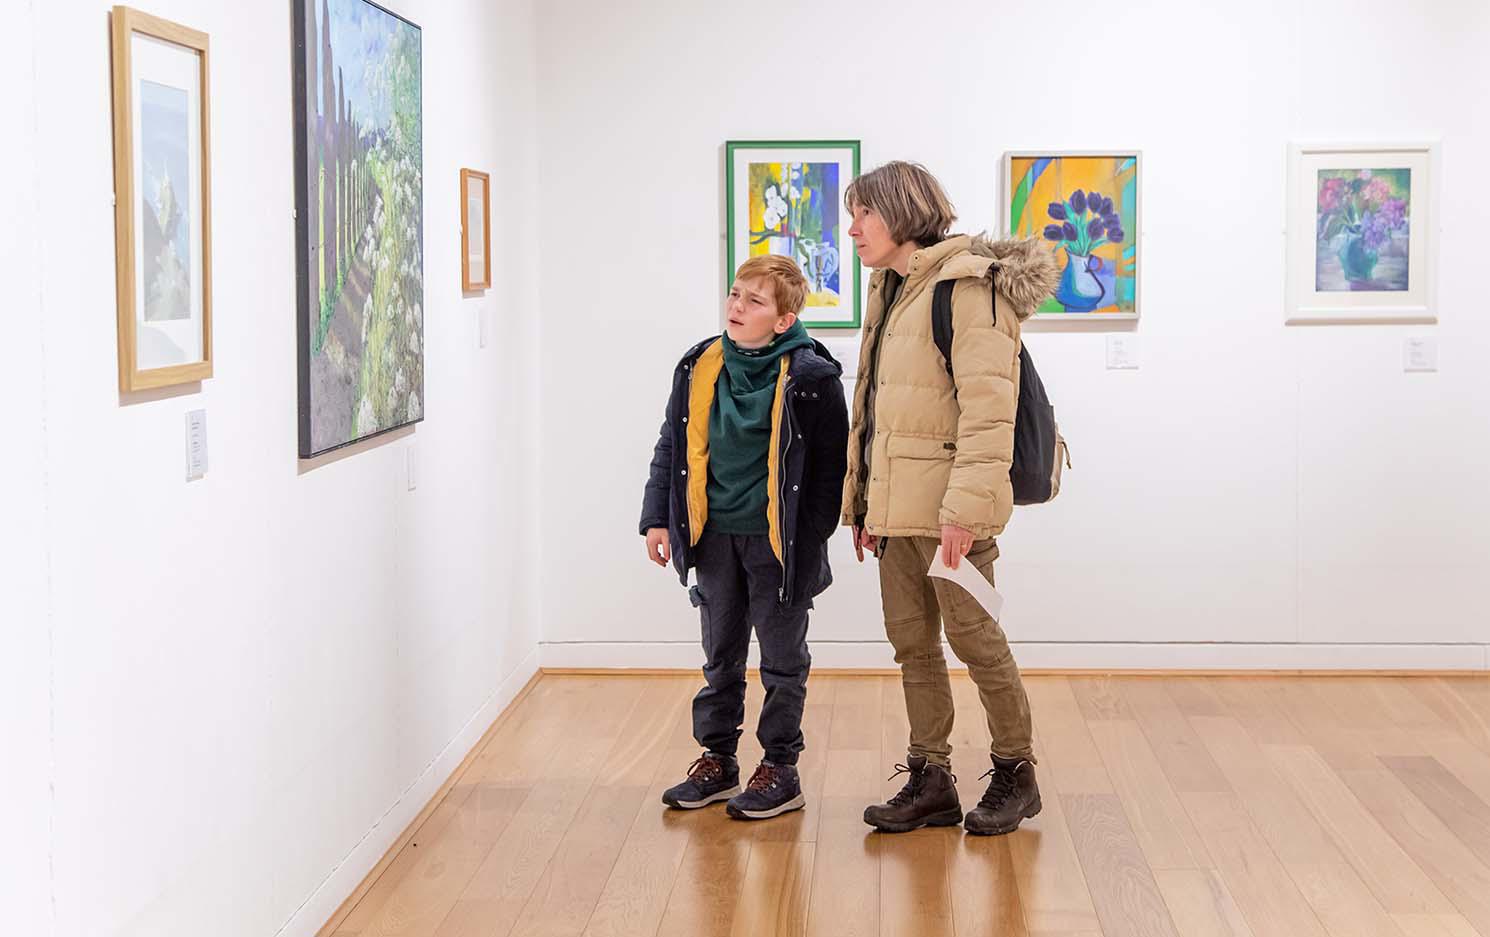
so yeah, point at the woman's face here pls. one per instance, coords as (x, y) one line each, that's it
(872, 237)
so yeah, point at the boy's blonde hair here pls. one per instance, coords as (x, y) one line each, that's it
(909, 199)
(788, 285)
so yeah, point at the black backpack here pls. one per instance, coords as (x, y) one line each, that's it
(1039, 448)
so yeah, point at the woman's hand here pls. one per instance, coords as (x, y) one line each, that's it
(956, 543)
(864, 540)
(659, 550)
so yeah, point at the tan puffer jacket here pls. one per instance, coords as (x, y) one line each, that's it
(939, 456)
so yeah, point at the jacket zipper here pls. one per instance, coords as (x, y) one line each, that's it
(871, 396)
(687, 489)
(786, 427)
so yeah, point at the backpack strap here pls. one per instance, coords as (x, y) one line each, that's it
(941, 315)
(941, 320)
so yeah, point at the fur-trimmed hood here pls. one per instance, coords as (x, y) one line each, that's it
(1027, 272)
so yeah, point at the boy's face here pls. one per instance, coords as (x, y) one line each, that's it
(872, 237)
(752, 315)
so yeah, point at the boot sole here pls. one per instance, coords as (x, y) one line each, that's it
(1029, 814)
(796, 803)
(949, 817)
(711, 799)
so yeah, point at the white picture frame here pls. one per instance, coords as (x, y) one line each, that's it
(1352, 255)
(1026, 218)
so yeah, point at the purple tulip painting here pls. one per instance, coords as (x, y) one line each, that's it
(1361, 232)
(1085, 210)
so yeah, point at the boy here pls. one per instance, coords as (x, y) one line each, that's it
(744, 487)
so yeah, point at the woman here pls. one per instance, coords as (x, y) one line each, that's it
(928, 470)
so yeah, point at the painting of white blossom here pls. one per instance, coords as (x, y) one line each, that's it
(786, 199)
(360, 241)
(794, 213)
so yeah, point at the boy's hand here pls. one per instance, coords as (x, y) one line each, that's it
(659, 550)
(956, 543)
(864, 540)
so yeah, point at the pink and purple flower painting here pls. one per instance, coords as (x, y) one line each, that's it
(1362, 230)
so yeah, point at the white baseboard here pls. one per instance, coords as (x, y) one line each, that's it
(856, 655)
(344, 879)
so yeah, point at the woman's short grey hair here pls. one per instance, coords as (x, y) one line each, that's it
(908, 198)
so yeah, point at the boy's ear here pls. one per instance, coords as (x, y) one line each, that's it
(785, 322)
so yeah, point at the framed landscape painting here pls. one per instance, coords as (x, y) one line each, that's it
(359, 192)
(1361, 233)
(786, 198)
(162, 202)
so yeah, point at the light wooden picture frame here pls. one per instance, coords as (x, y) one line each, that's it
(475, 230)
(162, 201)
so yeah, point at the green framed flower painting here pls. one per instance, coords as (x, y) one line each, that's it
(786, 198)
(1360, 233)
(1085, 208)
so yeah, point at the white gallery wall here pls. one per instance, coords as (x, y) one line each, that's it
(224, 699)
(25, 723)
(1252, 495)
(242, 688)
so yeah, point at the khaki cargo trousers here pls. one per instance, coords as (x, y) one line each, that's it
(916, 607)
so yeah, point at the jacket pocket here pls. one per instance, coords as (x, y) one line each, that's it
(920, 447)
(920, 467)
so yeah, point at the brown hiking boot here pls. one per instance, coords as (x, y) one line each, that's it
(1012, 797)
(929, 798)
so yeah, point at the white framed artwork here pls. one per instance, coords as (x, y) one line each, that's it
(1085, 207)
(1362, 233)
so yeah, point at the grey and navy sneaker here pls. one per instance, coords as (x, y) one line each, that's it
(773, 790)
(1012, 797)
(711, 778)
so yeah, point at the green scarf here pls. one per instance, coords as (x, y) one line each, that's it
(740, 432)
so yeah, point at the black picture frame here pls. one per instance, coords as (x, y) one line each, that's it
(381, 155)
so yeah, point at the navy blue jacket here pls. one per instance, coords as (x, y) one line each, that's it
(812, 453)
